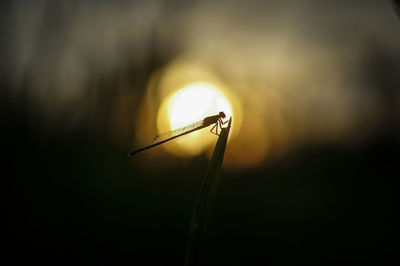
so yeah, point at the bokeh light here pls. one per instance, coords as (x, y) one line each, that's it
(309, 174)
(289, 78)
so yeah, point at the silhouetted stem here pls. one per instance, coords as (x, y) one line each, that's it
(203, 207)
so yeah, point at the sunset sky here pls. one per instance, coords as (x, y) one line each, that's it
(313, 91)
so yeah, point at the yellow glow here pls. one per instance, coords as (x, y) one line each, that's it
(188, 105)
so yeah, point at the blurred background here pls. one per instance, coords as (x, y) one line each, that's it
(311, 167)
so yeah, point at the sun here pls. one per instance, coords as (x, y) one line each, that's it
(186, 106)
(195, 102)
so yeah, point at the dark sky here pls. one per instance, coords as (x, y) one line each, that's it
(322, 77)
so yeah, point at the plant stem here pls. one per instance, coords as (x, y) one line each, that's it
(203, 207)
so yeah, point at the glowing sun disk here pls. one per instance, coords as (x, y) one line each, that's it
(189, 105)
(194, 103)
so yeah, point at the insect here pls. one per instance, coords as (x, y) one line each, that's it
(217, 120)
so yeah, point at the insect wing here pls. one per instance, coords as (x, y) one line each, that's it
(178, 131)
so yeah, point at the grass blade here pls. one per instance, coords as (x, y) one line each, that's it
(203, 208)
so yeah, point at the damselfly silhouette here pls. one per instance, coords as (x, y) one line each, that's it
(160, 139)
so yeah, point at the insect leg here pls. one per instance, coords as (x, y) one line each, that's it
(218, 126)
(215, 126)
(222, 122)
